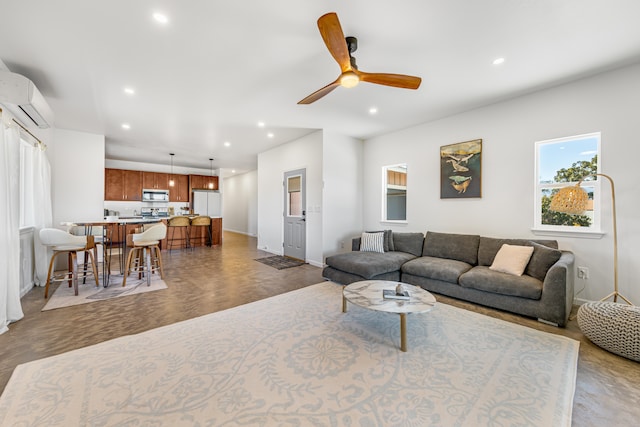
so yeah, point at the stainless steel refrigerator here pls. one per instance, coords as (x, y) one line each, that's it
(207, 203)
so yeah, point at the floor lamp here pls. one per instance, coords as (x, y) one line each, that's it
(573, 200)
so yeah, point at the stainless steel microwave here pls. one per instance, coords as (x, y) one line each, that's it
(152, 195)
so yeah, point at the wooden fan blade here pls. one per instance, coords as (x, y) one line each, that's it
(395, 80)
(320, 93)
(333, 37)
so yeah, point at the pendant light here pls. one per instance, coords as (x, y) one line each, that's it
(211, 181)
(171, 181)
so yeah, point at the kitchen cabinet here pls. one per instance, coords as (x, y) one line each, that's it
(155, 180)
(201, 182)
(180, 190)
(122, 185)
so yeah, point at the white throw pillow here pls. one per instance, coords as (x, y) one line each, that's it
(512, 259)
(372, 242)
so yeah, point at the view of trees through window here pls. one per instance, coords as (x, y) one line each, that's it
(562, 162)
(575, 173)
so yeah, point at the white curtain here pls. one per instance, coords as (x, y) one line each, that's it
(40, 189)
(10, 308)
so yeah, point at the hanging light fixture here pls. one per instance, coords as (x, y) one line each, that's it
(211, 181)
(171, 181)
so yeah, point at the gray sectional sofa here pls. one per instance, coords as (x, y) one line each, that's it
(457, 265)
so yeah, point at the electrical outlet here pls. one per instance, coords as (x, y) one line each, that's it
(341, 245)
(583, 273)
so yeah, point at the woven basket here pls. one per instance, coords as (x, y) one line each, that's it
(612, 326)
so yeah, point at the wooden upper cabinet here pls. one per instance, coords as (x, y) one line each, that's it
(180, 190)
(132, 185)
(113, 184)
(201, 182)
(122, 185)
(155, 180)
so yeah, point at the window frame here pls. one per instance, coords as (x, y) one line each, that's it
(593, 231)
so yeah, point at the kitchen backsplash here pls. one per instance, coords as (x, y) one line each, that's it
(133, 208)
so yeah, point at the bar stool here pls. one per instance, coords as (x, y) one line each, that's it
(145, 253)
(101, 237)
(63, 242)
(180, 223)
(198, 223)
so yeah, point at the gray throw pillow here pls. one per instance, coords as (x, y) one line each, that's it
(388, 239)
(541, 261)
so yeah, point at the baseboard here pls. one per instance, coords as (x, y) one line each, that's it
(239, 232)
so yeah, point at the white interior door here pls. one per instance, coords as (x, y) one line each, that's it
(295, 230)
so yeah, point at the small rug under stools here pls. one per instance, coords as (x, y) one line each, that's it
(612, 326)
(280, 262)
(88, 292)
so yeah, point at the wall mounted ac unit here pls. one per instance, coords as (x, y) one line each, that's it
(23, 98)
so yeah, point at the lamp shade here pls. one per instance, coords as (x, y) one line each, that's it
(571, 200)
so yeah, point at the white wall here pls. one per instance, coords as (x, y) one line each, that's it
(240, 207)
(342, 192)
(304, 153)
(77, 181)
(608, 103)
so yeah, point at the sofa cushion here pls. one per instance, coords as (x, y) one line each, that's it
(408, 242)
(512, 259)
(447, 270)
(490, 246)
(541, 261)
(372, 242)
(461, 247)
(484, 279)
(368, 264)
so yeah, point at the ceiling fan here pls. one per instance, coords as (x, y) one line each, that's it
(341, 48)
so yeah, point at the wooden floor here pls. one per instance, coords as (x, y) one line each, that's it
(211, 279)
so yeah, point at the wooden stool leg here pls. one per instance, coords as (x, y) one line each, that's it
(94, 267)
(46, 288)
(159, 257)
(127, 266)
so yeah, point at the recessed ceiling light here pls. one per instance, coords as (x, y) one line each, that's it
(129, 91)
(126, 126)
(498, 61)
(233, 171)
(270, 135)
(373, 110)
(161, 18)
(227, 144)
(260, 124)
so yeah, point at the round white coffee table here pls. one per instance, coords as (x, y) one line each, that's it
(368, 294)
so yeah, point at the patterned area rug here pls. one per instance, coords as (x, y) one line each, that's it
(296, 359)
(88, 292)
(280, 262)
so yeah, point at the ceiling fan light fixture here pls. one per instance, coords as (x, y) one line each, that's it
(349, 79)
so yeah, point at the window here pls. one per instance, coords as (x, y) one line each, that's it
(294, 201)
(562, 162)
(394, 188)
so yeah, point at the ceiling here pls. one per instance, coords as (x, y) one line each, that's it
(217, 68)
